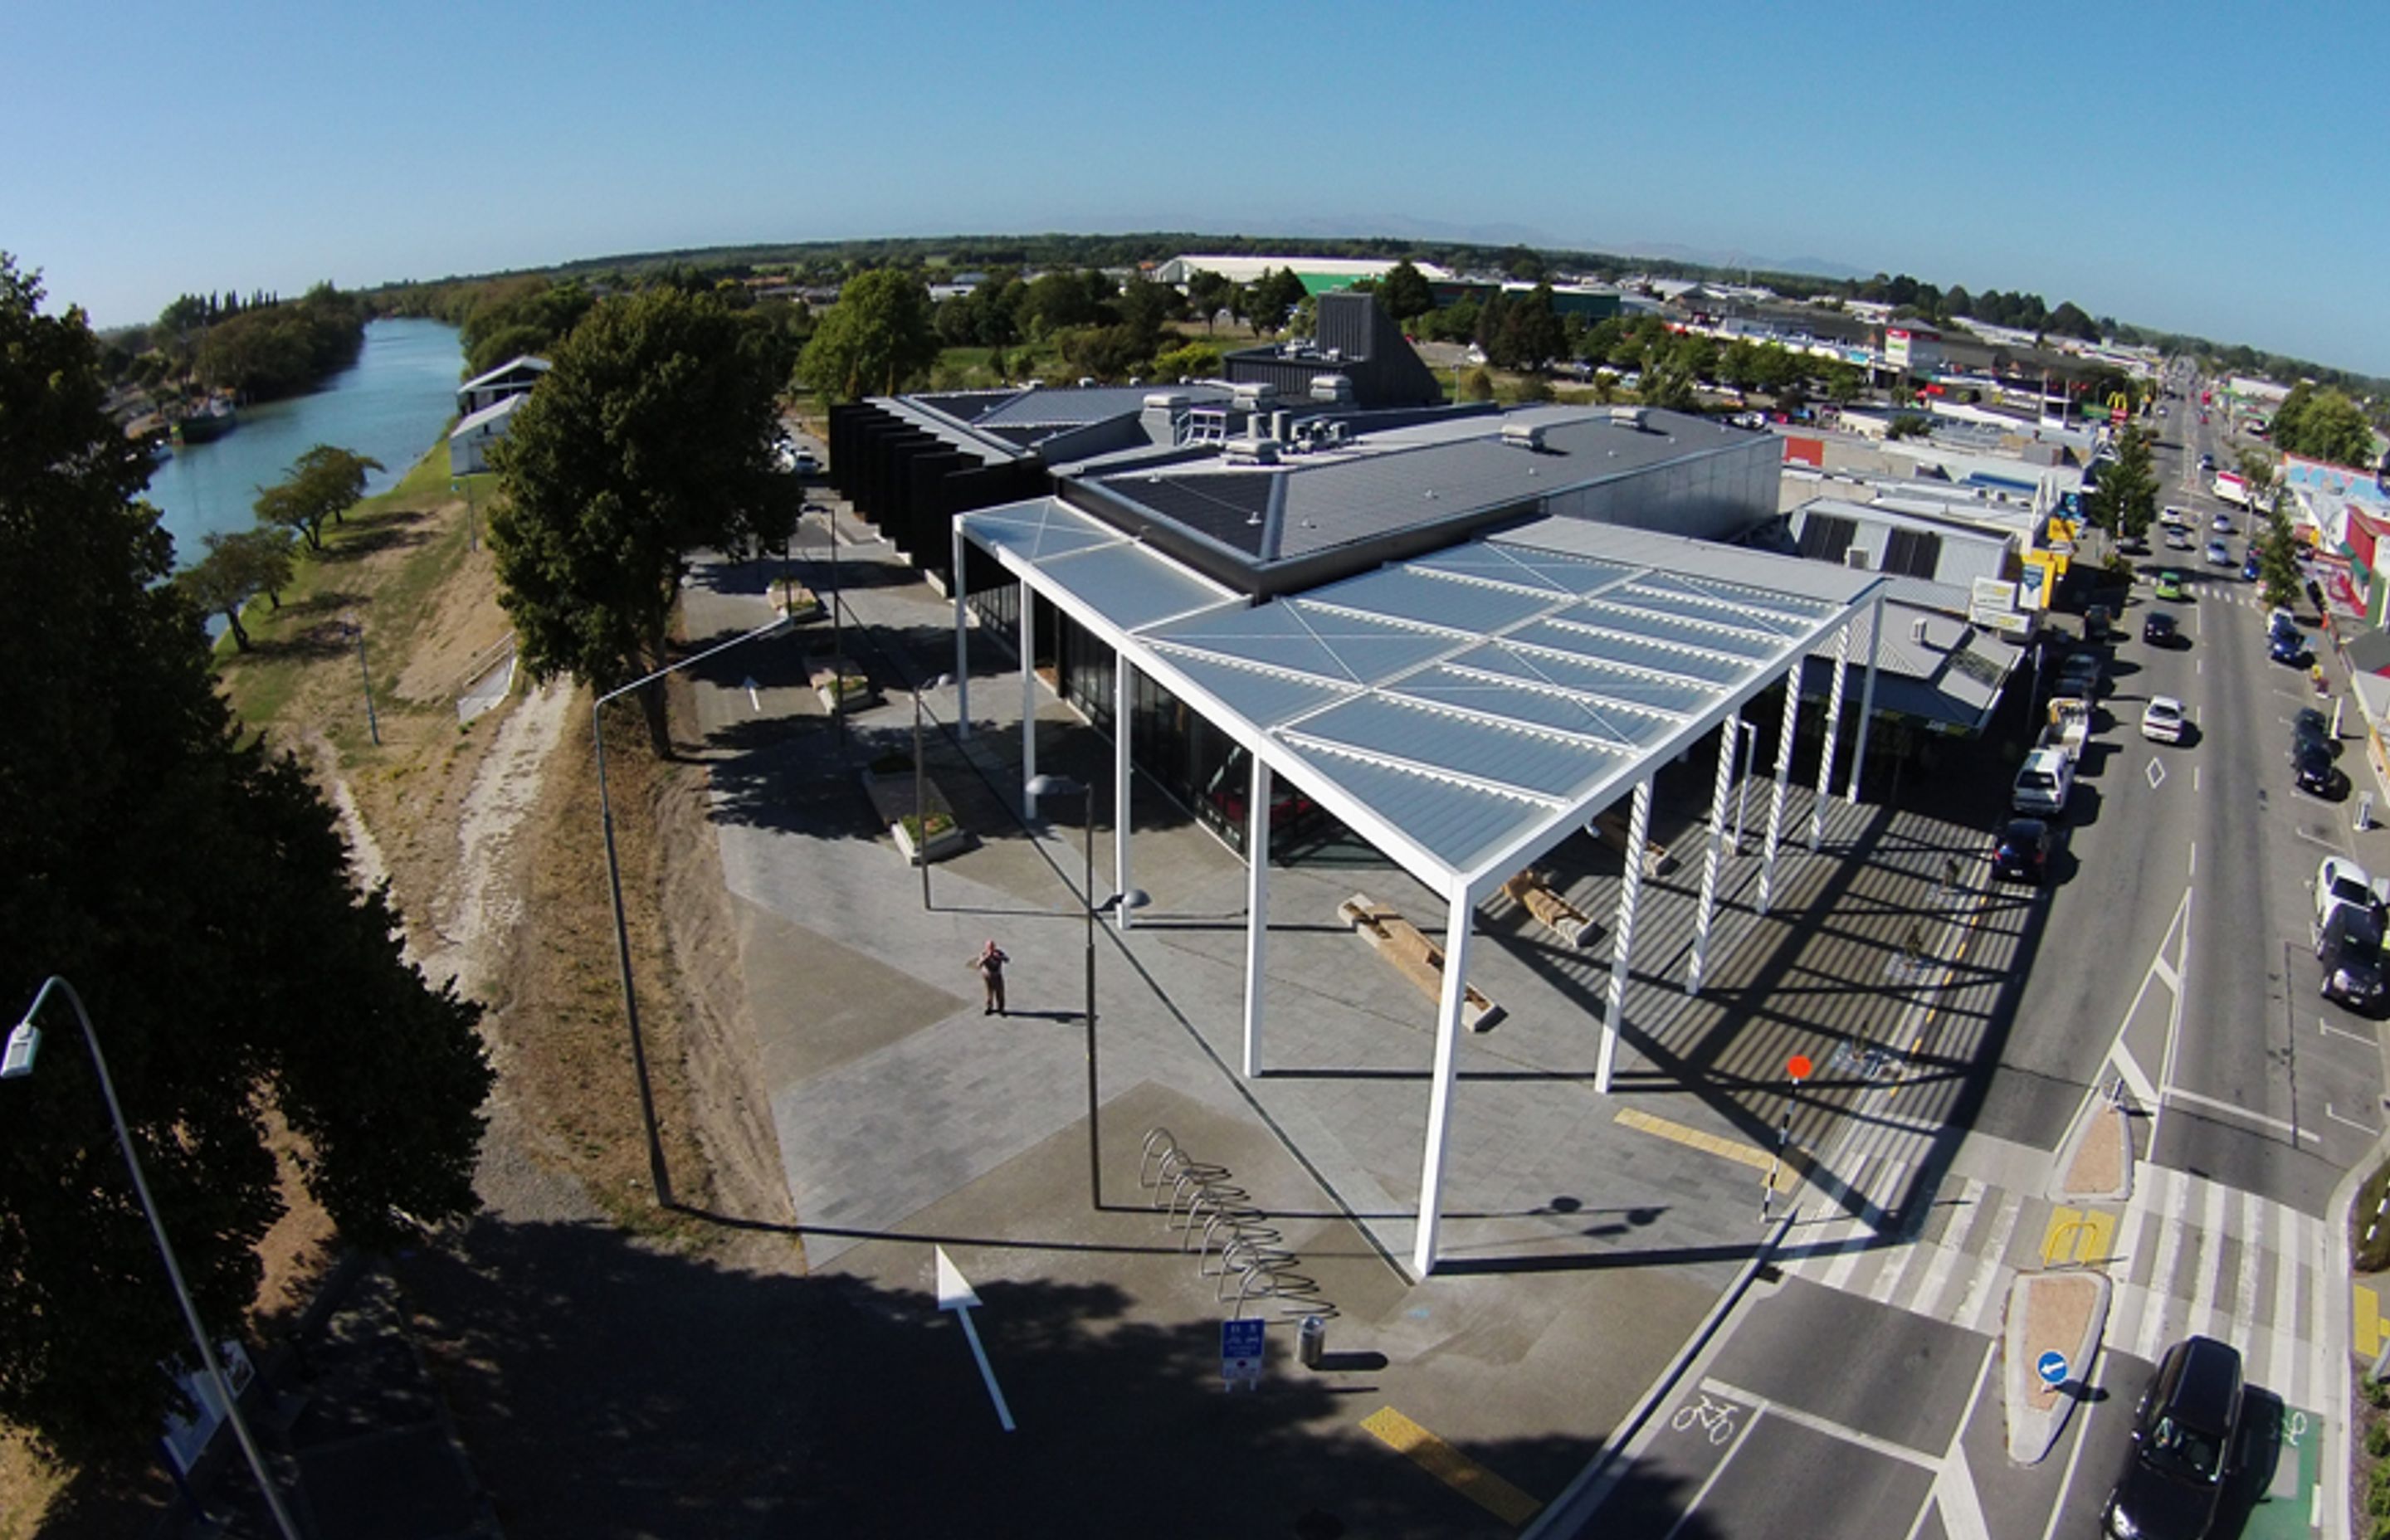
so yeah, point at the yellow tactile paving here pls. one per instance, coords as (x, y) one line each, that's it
(1451, 1467)
(1749, 1155)
(2369, 1321)
(2078, 1234)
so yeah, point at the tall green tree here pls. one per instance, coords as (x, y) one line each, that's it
(240, 564)
(2126, 500)
(1207, 295)
(879, 338)
(324, 483)
(2278, 561)
(1406, 294)
(649, 438)
(1271, 298)
(2323, 425)
(196, 891)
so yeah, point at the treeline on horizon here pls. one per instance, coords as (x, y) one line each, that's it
(261, 347)
(829, 263)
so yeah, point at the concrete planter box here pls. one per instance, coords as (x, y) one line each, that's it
(798, 603)
(892, 800)
(834, 678)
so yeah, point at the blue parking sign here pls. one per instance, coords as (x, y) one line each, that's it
(1241, 1351)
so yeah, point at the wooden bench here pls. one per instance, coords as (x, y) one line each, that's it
(1612, 829)
(1416, 957)
(1533, 892)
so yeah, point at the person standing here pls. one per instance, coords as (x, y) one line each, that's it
(990, 964)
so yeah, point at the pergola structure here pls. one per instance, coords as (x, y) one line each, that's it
(1464, 710)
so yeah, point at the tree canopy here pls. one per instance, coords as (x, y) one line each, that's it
(240, 564)
(195, 890)
(2278, 562)
(877, 338)
(1406, 292)
(325, 482)
(2324, 425)
(651, 437)
(2124, 501)
(281, 348)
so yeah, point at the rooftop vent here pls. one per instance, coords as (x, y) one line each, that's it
(1917, 631)
(1635, 418)
(1249, 392)
(1856, 557)
(1249, 451)
(1331, 387)
(1523, 435)
(1164, 401)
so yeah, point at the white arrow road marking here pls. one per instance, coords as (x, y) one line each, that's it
(955, 1293)
(754, 698)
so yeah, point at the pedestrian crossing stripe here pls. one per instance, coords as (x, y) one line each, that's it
(2368, 1322)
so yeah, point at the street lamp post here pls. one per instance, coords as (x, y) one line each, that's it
(922, 785)
(357, 628)
(23, 1044)
(1131, 899)
(656, 1170)
(837, 631)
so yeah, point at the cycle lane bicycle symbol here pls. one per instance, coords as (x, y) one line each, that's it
(1714, 1417)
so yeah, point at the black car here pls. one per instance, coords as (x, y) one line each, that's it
(2312, 768)
(2159, 630)
(2020, 849)
(2181, 1454)
(2349, 948)
(2311, 726)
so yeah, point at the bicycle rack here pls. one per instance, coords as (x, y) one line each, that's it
(1231, 1234)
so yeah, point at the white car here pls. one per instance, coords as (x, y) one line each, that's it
(2162, 720)
(2340, 881)
(2222, 523)
(2219, 553)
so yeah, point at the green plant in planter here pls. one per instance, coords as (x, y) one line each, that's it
(939, 824)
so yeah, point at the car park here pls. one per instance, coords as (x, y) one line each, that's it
(2020, 849)
(2219, 553)
(2164, 720)
(2185, 1431)
(2159, 630)
(2170, 586)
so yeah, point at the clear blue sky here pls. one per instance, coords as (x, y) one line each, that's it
(2208, 168)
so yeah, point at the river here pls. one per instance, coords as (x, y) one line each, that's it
(391, 405)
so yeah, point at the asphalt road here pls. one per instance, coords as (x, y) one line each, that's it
(1821, 1411)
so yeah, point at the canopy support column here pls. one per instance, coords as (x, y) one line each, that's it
(1621, 951)
(1256, 910)
(1729, 742)
(1867, 699)
(962, 637)
(1833, 726)
(1783, 780)
(1029, 702)
(1449, 1001)
(1124, 678)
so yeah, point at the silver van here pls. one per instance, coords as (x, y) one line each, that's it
(2043, 784)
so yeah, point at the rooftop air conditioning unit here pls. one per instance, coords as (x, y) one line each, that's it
(1523, 435)
(1856, 557)
(1164, 401)
(1635, 417)
(1251, 391)
(1331, 387)
(1249, 451)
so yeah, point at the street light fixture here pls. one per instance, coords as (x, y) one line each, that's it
(921, 785)
(1131, 899)
(614, 887)
(24, 1044)
(837, 631)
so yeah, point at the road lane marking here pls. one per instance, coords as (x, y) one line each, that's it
(1954, 1488)
(1758, 1412)
(2348, 1123)
(2136, 1079)
(2170, 1232)
(2175, 1093)
(1452, 1468)
(1981, 1287)
(2208, 1273)
(1887, 1280)
(2284, 1370)
(2331, 1031)
(1827, 1426)
(2253, 1243)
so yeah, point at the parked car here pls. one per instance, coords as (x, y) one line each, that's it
(2288, 647)
(2222, 523)
(2159, 630)
(2170, 586)
(2206, 462)
(2183, 1438)
(2162, 720)
(2020, 849)
(2080, 676)
(2173, 518)
(2348, 947)
(2219, 553)
(2177, 540)
(2249, 566)
(2311, 726)
(2339, 882)
(2043, 784)
(2312, 770)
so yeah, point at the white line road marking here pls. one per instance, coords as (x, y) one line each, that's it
(1888, 1280)
(1954, 1488)
(2348, 1123)
(2331, 1031)
(2195, 777)
(2137, 1080)
(1719, 1470)
(2209, 1271)
(2282, 1368)
(1847, 1261)
(2156, 773)
(2244, 1294)
(1827, 1426)
(2082, 1437)
(2175, 1093)
(2194, 845)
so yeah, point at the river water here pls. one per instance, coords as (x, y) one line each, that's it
(392, 404)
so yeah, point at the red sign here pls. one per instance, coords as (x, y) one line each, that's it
(1798, 1066)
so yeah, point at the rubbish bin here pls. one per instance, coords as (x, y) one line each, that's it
(1310, 1341)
